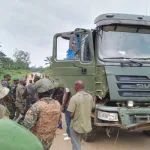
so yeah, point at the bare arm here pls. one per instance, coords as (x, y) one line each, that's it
(66, 98)
(71, 115)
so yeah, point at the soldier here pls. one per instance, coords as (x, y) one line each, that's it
(13, 92)
(14, 87)
(44, 115)
(9, 103)
(80, 107)
(30, 94)
(20, 100)
(4, 113)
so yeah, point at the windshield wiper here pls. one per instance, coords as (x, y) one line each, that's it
(131, 61)
(143, 58)
(136, 62)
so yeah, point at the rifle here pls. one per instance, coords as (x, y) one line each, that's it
(19, 118)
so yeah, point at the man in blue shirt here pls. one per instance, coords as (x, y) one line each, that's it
(73, 46)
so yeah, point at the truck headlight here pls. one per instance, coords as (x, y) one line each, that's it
(130, 103)
(108, 116)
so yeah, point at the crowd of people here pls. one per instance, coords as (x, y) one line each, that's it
(38, 106)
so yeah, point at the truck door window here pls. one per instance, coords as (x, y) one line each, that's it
(67, 46)
(85, 48)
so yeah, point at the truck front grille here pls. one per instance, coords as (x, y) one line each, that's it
(133, 86)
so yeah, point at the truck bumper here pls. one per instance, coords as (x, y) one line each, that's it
(132, 119)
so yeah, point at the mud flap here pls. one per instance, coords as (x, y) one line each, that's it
(140, 127)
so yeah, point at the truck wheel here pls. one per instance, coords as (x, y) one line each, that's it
(91, 136)
(147, 132)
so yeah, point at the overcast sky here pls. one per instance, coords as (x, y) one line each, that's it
(29, 25)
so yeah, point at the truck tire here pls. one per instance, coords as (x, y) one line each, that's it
(91, 136)
(147, 132)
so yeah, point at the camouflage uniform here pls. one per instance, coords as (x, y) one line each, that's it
(42, 119)
(14, 87)
(13, 90)
(20, 100)
(9, 102)
(31, 96)
(4, 113)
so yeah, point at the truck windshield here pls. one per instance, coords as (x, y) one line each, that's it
(119, 42)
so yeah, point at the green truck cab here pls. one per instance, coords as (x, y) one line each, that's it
(114, 62)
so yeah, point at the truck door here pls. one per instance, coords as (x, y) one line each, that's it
(73, 58)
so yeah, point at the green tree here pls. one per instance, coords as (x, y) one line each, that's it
(48, 61)
(22, 59)
(36, 69)
(5, 62)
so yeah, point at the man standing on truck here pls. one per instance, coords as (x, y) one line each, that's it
(73, 46)
(80, 108)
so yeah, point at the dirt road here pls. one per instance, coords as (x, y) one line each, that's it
(30, 78)
(126, 141)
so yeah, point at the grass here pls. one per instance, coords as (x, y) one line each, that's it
(14, 73)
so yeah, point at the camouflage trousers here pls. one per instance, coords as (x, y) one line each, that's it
(17, 115)
(11, 107)
(47, 145)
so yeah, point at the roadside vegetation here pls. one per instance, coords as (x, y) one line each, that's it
(18, 65)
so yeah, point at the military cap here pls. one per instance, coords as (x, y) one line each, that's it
(16, 79)
(44, 85)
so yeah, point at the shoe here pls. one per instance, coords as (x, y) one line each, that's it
(67, 138)
(65, 134)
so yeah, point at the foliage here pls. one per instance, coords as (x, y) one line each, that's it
(48, 61)
(19, 66)
(16, 68)
(36, 69)
(22, 59)
(46, 71)
(14, 73)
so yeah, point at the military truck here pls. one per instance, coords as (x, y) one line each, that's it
(114, 62)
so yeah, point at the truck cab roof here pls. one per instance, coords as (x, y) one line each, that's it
(126, 19)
